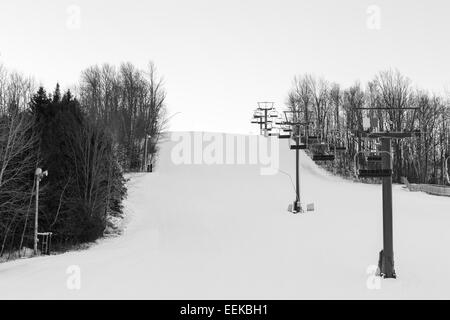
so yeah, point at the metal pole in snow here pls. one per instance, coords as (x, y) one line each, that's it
(36, 215)
(387, 256)
(297, 173)
(145, 154)
(265, 121)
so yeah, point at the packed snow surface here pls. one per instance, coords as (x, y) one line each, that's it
(222, 231)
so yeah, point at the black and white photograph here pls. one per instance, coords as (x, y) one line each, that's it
(241, 151)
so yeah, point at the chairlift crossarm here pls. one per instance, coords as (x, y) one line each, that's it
(265, 105)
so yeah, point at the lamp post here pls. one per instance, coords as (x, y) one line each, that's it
(38, 174)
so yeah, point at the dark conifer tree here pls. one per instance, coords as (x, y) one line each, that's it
(85, 184)
(57, 94)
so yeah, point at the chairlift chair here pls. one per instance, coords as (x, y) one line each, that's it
(258, 114)
(273, 131)
(293, 144)
(284, 136)
(297, 147)
(286, 128)
(313, 136)
(376, 173)
(374, 158)
(324, 157)
(284, 131)
(320, 152)
(374, 167)
(320, 149)
(278, 121)
(313, 139)
(337, 143)
(274, 114)
(340, 148)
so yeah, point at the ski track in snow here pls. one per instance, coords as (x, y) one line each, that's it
(223, 232)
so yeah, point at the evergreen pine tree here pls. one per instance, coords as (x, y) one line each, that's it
(57, 94)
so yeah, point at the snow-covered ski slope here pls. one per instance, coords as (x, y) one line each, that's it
(223, 232)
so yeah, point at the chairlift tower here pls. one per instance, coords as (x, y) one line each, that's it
(386, 256)
(257, 119)
(264, 112)
(292, 120)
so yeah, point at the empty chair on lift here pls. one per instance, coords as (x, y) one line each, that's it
(278, 121)
(274, 114)
(298, 147)
(374, 173)
(373, 158)
(321, 152)
(324, 157)
(337, 142)
(313, 139)
(374, 168)
(294, 146)
(339, 147)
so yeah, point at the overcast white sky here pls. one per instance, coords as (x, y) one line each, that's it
(219, 58)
